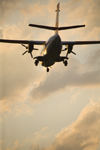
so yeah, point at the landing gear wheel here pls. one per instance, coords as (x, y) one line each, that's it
(36, 62)
(47, 69)
(65, 62)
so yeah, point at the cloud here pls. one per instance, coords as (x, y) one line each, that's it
(38, 139)
(15, 146)
(39, 135)
(4, 106)
(17, 72)
(74, 97)
(34, 147)
(42, 13)
(83, 134)
(81, 12)
(1, 143)
(23, 109)
(7, 8)
(1, 32)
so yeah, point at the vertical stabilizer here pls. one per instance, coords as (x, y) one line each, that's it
(57, 18)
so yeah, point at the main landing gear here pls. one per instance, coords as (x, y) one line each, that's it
(36, 62)
(65, 62)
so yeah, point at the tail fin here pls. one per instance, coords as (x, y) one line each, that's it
(56, 28)
(57, 18)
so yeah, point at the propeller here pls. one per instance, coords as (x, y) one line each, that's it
(69, 51)
(25, 47)
(30, 49)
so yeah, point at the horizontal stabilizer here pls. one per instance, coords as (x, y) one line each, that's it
(42, 26)
(71, 27)
(56, 28)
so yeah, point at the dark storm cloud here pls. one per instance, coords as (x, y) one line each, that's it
(76, 74)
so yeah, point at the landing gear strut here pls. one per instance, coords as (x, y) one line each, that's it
(47, 69)
(36, 62)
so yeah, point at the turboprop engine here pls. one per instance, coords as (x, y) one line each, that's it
(29, 48)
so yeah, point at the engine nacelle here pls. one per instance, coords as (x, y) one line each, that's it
(30, 47)
(70, 47)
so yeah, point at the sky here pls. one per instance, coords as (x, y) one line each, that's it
(56, 110)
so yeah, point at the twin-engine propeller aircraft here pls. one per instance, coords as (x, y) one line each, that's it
(53, 47)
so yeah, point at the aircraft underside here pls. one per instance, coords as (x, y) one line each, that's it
(51, 53)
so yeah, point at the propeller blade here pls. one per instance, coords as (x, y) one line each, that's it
(35, 49)
(31, 55)
(24, 46)
(73, 53)
(64, 49)
(24, 52)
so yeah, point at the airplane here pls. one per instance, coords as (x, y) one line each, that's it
(53, 47)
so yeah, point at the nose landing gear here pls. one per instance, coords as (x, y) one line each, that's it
(47, 69)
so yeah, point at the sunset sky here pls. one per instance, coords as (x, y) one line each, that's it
(59, 110)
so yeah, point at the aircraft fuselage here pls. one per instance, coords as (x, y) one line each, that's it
(51, 50)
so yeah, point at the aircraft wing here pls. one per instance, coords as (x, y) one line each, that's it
(23, 42)
(79, 42)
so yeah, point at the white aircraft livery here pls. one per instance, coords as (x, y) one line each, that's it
(53, 47)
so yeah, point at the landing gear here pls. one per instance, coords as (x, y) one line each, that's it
(36, 62)
(65, 62)
(47, 69)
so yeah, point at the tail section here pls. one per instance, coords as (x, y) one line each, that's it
(56, 28)
(57, 18)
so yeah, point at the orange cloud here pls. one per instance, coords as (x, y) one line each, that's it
(15, 146)
(83, 133)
